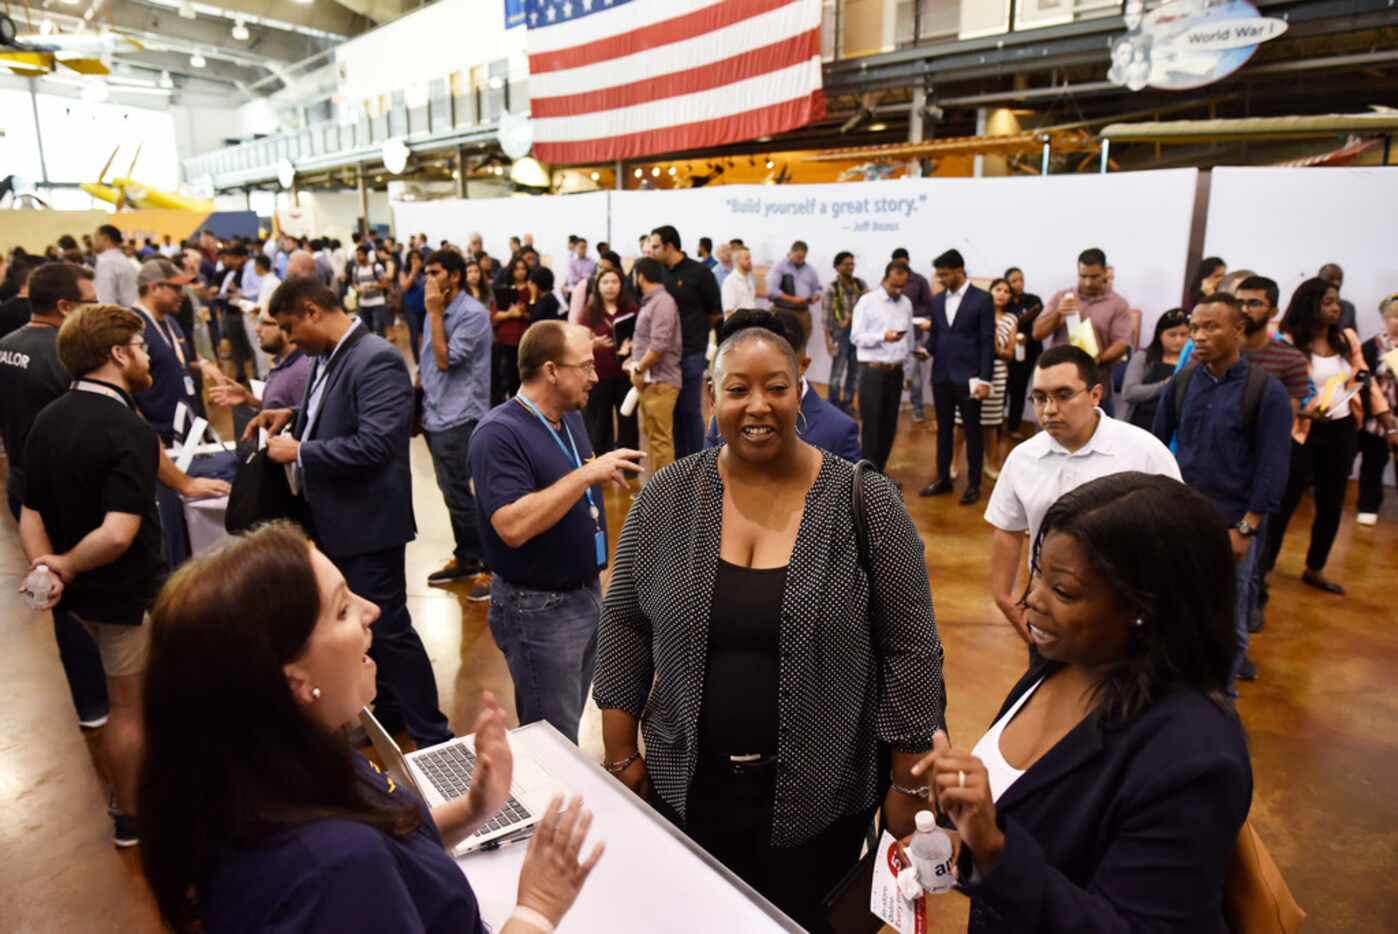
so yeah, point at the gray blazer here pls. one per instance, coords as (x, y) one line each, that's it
(852, 675)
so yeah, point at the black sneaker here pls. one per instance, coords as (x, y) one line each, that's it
(1257, 621)
(453, 570)
(124, 831)
(1248, 671)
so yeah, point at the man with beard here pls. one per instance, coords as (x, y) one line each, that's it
(89, 517)
(287, 379)
(1258, 296)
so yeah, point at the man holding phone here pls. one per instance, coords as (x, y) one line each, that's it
(881, 331)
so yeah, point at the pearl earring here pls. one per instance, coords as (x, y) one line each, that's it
(1139, 623)
(315, 692)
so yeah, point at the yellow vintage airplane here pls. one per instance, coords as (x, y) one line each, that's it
(125, 192)
(36, 54)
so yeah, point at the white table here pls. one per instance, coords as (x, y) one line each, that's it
(651, 878)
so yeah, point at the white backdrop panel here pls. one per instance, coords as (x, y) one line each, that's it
(1141, 219)
(550, 218)
(1286, 223)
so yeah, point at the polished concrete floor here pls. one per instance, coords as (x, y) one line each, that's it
(1322, 719)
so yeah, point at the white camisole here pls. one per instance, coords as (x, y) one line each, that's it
(1002, 775)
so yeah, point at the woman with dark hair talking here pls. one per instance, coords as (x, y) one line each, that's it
(1111, 788)
(257, 816)
(765, 659)
(1325, 441)
(1207, 277)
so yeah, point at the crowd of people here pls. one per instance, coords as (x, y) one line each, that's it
(761, 640)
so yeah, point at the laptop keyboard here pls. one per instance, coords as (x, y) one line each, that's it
(449, 770)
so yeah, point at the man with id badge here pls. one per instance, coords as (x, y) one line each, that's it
(161, 287)
(543, 523)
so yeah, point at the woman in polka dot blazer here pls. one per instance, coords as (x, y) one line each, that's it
(740, 636)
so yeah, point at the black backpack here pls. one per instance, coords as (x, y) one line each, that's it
(1250, 403)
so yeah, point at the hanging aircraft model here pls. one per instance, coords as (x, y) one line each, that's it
(125, 192)
(37, 54)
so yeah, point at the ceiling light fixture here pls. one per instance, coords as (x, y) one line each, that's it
(240, 31)
(197, 60)
(638, 173)
(770, 163)
(596, 176)
(673, 170)
(187, 10)
(655, 172)
(877, 127)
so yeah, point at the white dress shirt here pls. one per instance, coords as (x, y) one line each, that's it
(954, 301)
(739, 290)
(874, 315)
(115, 279)
(1041, 470)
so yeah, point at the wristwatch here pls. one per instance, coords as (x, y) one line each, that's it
(1245, 528)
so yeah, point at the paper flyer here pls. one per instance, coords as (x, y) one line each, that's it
(1084, 336)
(885, 901)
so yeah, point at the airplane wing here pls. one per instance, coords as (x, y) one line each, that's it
(85, 66)
(27, 64)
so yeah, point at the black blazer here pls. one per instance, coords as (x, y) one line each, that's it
(358, 480)
(1120, 827)
(965, 348)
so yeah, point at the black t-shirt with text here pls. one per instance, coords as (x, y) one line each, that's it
(30, 378)
(14, 314)
(87, 455)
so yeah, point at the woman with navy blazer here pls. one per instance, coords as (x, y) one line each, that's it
(1109, 793)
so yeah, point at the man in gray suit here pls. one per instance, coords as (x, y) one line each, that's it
(349, 448)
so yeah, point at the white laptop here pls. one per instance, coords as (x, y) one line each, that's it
(443, 772)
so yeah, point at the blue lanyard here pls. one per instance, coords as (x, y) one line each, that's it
(576, 460)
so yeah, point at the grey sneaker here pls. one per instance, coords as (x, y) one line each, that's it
(480, 589)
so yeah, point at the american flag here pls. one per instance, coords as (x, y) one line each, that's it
(622, 79)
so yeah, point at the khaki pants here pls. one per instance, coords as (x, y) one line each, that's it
(123, 649)
(658, 422)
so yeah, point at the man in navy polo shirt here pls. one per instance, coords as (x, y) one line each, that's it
(161, 285)
(543, 525)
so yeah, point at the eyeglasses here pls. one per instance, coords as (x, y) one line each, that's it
(139, 344)
(588, 369)
(1253, 302)
(1062, 397)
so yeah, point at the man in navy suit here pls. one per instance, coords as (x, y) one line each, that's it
(821, 424)
(961, 341)
(349, 455)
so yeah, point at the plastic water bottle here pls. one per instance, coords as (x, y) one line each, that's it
(931, 853)
(37, 586)
(1020, 352)
(628, 405)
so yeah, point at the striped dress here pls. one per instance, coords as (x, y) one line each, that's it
(993, 405)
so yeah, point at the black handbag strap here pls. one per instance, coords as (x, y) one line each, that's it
(861, 522)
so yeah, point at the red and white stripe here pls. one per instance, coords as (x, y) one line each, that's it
(603, 87)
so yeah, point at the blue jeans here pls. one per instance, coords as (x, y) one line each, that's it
(912, 372)
(689, 419)
(1258, 580)
(843, 364)
(448, 448)
(407, 688)
(87, 681)
(1244, 606)
(549, 639)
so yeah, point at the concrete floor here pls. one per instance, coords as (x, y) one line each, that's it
(1322, 719)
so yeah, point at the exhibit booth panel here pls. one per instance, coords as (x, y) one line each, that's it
(1286, 222)
(1141, 219)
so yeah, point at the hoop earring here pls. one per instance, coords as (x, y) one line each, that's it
(800, 419)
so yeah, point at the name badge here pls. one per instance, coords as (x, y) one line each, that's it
(600, 537)
(189, 385)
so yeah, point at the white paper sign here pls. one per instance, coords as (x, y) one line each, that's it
(191, 442)
(886, 901)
